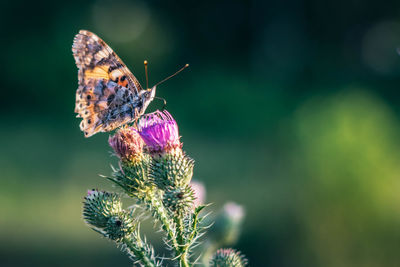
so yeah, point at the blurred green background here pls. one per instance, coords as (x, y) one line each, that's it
(290, 108)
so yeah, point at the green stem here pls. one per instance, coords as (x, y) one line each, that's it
(155, 205)
(194, 232)
(161, 213)
(183, 260)
(185, 245)
(183, 248)
(138, 250)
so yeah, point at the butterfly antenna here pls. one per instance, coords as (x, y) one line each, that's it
(147, 76)
(169, 77)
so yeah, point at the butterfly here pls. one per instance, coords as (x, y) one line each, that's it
(109, 95)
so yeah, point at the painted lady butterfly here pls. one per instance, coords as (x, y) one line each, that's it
(108, 95)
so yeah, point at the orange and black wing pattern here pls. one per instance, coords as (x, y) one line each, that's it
(108, 95)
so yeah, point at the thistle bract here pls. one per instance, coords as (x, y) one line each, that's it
(160, 132)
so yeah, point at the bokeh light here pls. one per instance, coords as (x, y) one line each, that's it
(379, 46)
(121, 21)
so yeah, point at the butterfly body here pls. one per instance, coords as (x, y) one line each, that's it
(108, 95)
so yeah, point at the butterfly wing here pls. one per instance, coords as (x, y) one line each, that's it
(108, 95)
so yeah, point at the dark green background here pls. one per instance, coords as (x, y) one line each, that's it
(289, 108)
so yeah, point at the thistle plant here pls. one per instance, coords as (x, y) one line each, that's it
(156, 173)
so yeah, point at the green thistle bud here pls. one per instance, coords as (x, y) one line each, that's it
(104, 212)
(228, 258)
(174, 170)
(132, 173)
(133, 176)
(119, 226)
(179, 200)
(99, 206)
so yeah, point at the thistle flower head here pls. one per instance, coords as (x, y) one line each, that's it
(160, 132)
(228, 258)
(127, 144)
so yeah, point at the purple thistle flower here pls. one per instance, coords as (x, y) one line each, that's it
(160, 132)
(127, 144)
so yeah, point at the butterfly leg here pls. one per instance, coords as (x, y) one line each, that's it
(135, 122)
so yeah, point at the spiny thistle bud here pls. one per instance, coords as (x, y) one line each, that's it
(127, 144)
(104, 212)
(228, 258)
(119, 226)
(174, 170)
(160, 132)
(132, 174)
(99, 206)
(179, 200)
